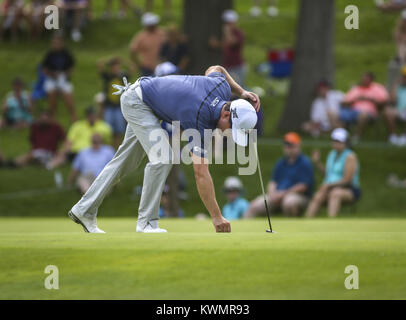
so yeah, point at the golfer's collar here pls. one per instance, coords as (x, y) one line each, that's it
(217, 111)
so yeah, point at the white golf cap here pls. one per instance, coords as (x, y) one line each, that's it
(230, 16)
(232, 183)
(243, 118)
(340, 135)
(149, 19)
(165, 69)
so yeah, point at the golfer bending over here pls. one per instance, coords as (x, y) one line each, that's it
(198, 102)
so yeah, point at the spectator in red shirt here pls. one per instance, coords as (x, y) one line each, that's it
(232, 45)
(45, 137)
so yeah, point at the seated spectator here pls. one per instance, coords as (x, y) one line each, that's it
(146, 44)
(16, 109)
(113, 73)
(325, 109)
(232, 45)
(175, 49)
(236, 204)
(341, 181)
(397, 113)
(395, 182)
(12, 14)
(164, 209)
(291, 184)
(89, 163)
(361, 103)
(45, 138)
(35, 13)
(74, 16)
(79, 137)
(58, 65)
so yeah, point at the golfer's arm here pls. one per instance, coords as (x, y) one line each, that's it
(205, 186)
(235, 87)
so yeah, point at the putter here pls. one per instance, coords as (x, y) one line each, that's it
(263, 190)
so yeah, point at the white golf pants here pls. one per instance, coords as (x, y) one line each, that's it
(136, 144)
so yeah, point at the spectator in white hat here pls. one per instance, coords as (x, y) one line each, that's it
(236, 204)
(146, 45)
(232, 46)
(341, 176)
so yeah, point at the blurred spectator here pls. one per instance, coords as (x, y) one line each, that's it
(392, 114)
(146, 44)
(149, 7)
(236, 204)
(13, 14)
(361, 103)
(175, 49)
(45, 137)
(164, 209)
(111, 73)
(325, 109)
(74, 16)
(89, 163)
(80, 135)
(291, 183)
(16, 109)
(400, 38)
(341, 181)
(35, 13)
(395, 182)
(125, 6)
(232, 45)
(58, 65)
(272, 10)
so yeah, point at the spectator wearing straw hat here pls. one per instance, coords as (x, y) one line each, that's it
(146, 45)
(236, 204)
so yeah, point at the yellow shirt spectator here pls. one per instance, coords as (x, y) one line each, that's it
(81, 132)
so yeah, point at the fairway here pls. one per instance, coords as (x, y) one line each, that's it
(304, 260)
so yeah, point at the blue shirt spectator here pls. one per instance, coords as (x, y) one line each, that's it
(92, 161)
(236, 204)
(287, 174)
(235, 210)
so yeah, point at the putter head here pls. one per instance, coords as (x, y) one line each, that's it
(270, 231)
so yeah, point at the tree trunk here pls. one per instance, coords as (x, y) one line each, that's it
(314, 60)
(202, 19)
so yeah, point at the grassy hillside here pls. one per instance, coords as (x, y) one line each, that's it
(369, 48)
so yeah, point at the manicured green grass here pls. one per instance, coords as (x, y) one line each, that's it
(304, 260)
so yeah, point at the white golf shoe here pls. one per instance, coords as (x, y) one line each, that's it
(151, 227)
(89, 224)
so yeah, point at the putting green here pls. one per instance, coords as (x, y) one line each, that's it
(304, 260)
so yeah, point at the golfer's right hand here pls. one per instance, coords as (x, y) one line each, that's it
(221, 224)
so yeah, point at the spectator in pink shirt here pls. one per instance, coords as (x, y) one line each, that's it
(362, 103)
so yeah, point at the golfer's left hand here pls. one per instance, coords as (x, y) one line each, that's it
(221, 224)
(253, 99)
